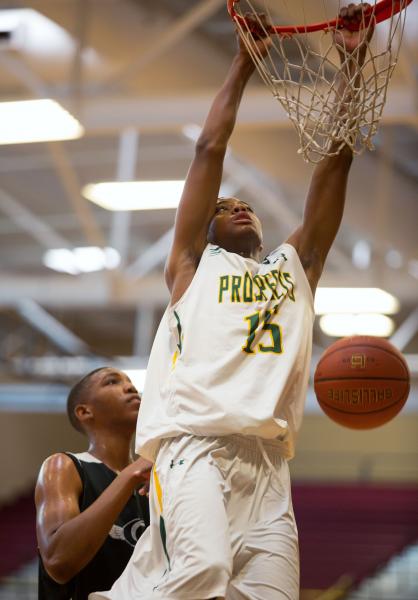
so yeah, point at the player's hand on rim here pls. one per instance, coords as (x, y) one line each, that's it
(257, 33)
(349, 41)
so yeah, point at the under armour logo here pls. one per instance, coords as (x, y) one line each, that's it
(272, 261)
(180, 462)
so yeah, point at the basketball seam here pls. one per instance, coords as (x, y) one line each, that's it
(371, 412)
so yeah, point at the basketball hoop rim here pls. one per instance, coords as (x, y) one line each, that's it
(381, 11)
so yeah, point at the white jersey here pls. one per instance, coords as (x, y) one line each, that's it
(232, 356)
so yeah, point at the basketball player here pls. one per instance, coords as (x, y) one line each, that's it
(89, 515)
(227, 378)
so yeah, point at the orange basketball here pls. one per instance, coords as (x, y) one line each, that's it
(362, 382)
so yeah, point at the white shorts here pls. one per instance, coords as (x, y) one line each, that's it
(222, 525)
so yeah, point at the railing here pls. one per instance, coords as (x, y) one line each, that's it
(397, 581)
(21, 586)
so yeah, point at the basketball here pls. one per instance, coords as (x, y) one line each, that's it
(361, 382)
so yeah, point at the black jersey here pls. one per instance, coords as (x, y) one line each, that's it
(112, 557)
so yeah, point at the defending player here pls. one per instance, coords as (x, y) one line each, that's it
(227, 379)
(88, 514)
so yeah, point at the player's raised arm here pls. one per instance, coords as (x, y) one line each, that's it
(326, 197)
(201, 190)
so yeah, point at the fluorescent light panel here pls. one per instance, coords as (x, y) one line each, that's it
(81, 260)
(29, 121)
(354, 300)
(135, 195)
(341, 325)
(36, 36)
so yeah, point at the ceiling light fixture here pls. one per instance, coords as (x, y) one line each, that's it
(135, 195)
(29, 121)
(37, 36)
(81, 260)
(354, 300)
(341, 325)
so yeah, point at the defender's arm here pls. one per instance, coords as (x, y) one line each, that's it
(59, 522)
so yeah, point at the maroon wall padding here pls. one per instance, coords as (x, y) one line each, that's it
(351, 529)
(17, 534)
(343, 529)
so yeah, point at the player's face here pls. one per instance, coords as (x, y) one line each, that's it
(233, 221)
(114, 400)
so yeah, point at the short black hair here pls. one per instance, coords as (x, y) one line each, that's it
(227, 198)
(76, 396)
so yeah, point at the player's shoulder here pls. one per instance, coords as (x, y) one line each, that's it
(57, 475)
(58, 464)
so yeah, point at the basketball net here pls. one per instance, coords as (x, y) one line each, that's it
(306, 74)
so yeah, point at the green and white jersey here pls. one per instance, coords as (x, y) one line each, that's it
(232, 356)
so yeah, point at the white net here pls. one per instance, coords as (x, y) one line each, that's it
(332, 96)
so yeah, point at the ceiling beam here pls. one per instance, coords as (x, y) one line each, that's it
(75, 84)
(165, 40)
(72, 188)
(37, 228)
(152, 257)
(173, 111)
(95, 290)
(50, 327)
(126, 167)
(56, 367)
(23, 73)
(406, 331)
(93, 158)
(83, 291)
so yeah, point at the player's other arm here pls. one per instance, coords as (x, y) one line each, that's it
(323, 213)
(197, 204)
(324, 205)
(67, 538)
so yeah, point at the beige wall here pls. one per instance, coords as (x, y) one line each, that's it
(325, 451)
(328, 451)
(25, 441)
